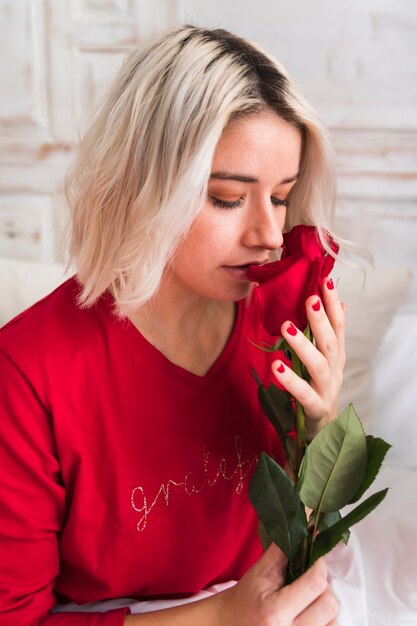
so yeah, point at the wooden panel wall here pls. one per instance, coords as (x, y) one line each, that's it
(356, 62)
(57, 59)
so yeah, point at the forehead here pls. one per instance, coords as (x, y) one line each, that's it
(258, 141)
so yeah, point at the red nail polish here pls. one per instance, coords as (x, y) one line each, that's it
(291, 330)
(281, 368)
(330, 284)
(316, 306)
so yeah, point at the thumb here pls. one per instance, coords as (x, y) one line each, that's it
(274, 563)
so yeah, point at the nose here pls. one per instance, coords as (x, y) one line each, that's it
(264, 226)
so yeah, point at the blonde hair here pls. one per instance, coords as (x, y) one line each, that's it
(141, 175)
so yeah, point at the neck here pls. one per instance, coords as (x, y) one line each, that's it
(189, 329)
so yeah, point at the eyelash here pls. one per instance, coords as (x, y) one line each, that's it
(222, 204)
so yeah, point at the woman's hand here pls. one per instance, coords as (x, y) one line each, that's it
(258, 599)
(325, 362)
(260, 596)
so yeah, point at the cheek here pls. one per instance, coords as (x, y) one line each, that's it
(214, 234)
(211, 239)
(197, 250)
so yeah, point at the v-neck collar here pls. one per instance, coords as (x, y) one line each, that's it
(159, 360)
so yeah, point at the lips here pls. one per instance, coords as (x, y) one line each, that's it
(239, 267)
(246, 266)
(239, 272)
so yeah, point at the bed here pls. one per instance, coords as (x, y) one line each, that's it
(375, 575)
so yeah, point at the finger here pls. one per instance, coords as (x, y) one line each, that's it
(318, 366)
(327, 342)
(273, 564)
(313, 359)
(299, 388)
(304, 591)
(322, 611)
(336, 311)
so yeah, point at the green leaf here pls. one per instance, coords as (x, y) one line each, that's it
(330, 519)
(335, 464)
(298, 566)
(291, 450)
(263, 536)
(326, 521)
(376, 450)
(301, 473)
(327, 539)
(276, 404)
(267, 348)
(288, 352)
(270, 413)
(256, 377)
(278, 506)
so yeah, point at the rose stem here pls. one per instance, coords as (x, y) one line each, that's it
(299, 417)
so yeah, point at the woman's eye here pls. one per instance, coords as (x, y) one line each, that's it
(222, 204)
(234, 204)
(279, 202)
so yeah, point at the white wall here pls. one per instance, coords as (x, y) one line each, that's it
(57, 59)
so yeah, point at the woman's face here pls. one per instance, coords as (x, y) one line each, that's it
(255, 165)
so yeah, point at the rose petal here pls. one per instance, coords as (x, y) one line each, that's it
(285, 285)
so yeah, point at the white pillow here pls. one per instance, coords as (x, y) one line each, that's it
(370, 309)
(395, 388)
(25, 282)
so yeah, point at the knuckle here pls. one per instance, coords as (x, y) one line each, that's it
(321, 367)
(268, 617)
(331, 345)
(338, 380)
(340, 324)
(326, 408)
(318, 583)
(330, 603)
(303, 396)
(282, 614)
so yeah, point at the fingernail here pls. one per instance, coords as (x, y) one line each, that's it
(281, 368)
(291, 330)
(316, 306)
(330, 284)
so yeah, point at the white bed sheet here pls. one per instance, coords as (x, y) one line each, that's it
(375, 575)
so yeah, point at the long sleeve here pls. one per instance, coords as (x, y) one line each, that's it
(32, 510)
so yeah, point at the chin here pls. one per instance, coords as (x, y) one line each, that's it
(235, 294)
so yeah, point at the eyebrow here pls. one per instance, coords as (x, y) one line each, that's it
(247, 179)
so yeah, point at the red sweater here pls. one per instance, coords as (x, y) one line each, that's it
(122, 474)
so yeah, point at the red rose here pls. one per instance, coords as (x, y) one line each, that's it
(285, 285)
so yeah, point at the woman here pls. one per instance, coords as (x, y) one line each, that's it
(131, 422)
